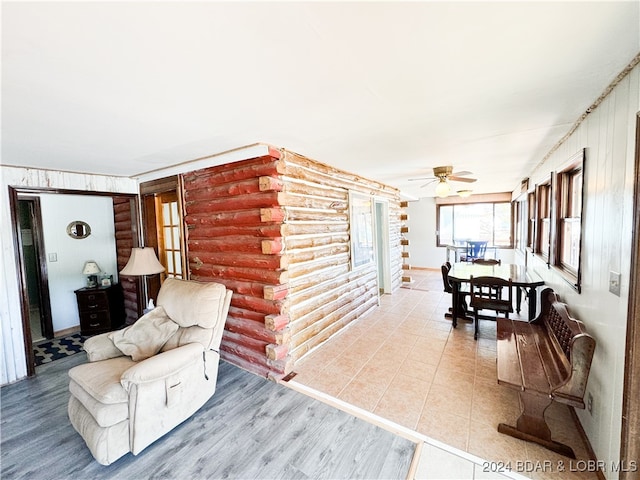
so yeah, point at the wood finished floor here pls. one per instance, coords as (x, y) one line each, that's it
(405, 363)
(251, 428)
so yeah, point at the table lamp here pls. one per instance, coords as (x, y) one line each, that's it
(143, 261)
(91, 269)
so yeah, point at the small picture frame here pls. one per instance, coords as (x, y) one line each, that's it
(106, 282)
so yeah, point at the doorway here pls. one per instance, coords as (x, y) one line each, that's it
(382, 246)
(35, 268)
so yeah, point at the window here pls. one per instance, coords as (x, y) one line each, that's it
(490, 222)
(531, 227)
(543, 195)
(568, 242)
(169, 228)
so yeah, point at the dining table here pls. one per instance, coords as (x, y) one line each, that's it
(521, 277)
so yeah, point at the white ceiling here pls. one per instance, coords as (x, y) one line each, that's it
(387, 90)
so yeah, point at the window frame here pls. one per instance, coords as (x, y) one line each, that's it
(472, 201)
(565, 207)
(544, 215)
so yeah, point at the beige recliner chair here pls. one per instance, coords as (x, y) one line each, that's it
(144, 380)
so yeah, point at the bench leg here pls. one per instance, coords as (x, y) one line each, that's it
(531, 425)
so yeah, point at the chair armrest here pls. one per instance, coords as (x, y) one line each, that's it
(163, 365)
(101, 347)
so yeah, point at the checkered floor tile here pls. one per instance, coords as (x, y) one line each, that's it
(50, 350)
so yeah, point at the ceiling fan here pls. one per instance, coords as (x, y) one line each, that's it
(443, 175)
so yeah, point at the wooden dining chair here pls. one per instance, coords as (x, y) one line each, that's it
(475, 250)
(486, 293)
(449, 289)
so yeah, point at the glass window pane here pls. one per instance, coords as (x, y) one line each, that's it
(176, 238)
(165, 214)
(446, 225)
(168, 242)
(178, 263)
(174, 213)
(169, 257)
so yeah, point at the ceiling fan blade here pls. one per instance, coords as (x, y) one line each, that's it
(462, 179)
(464, 173)
(428, 183)
(421, 178)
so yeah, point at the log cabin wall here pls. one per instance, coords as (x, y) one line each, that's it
(275, 230)
(124, 211)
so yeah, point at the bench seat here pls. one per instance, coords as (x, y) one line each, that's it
(545, 360)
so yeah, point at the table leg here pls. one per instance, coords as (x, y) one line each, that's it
(455, 287)
(518, 298)
(531, 298)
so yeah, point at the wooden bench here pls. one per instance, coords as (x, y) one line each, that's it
(546, 360)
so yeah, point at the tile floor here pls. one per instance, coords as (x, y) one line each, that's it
(405, 363)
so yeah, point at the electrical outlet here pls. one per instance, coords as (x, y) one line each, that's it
(614, 283)
(590, 403)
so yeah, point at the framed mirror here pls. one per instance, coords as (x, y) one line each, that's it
(78, 229)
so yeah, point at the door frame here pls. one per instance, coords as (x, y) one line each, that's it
(630, 437)
(16, 194)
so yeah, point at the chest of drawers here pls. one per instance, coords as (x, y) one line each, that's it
(101, 309)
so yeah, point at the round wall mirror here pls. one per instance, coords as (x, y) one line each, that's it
(78, 229)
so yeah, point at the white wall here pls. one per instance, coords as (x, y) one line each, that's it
(12, 355)
(65, 274)
(608, 134)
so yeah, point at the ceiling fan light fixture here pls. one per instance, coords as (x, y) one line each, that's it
(443, 188)
(464, 193)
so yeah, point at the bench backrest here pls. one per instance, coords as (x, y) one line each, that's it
(571, 341)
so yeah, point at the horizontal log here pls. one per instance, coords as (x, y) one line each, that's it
(237, 243)
(276, 322)
(268, 307)
(294, 243)
(302, 268)
(251, 260)
(307, 255)
(406, 266)
(273, 214)
(276, 352)
(260, 369)
(299, 167)
(304, 201)
(229, 172)
(275, 292)
(296, 185)
(259, 230)
(405, 254)
(267, 184)
(334, 279)
(241, 202)
(211, 190)
(238, 350)
(246, 314)
(272, 247)
(267, 276)
(292, 214)
(238, 217)
(249, 328)
(317, 277)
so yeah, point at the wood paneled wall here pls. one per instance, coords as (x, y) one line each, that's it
(275, 230)
(125, 230)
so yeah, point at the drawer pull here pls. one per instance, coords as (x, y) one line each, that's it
(93, 316)
(94, 324)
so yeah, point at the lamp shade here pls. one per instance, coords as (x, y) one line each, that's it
(91, 268)
(143, 261)
(443, 188)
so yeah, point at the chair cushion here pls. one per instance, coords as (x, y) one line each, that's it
(146, 337)
(101, 379)
(192, 303)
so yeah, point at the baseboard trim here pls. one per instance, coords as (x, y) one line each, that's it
(66, 332)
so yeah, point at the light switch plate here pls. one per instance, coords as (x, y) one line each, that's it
(53, 257)
(614, 283)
